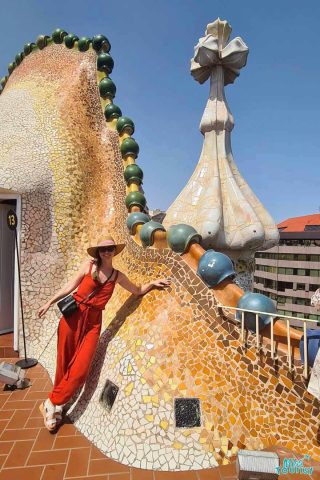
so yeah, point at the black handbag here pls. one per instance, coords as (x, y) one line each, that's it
(68, 305)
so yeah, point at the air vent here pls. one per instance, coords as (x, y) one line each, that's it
(187, 412)
(108, 395)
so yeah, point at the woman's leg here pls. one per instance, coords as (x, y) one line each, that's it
(75, 375)
(66, 346)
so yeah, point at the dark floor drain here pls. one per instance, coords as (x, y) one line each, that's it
(187, 412)
(108, 395)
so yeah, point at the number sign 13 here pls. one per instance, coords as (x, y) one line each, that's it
(12, 220)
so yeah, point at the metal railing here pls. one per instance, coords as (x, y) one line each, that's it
(273, 317)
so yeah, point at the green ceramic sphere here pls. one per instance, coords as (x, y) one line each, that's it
(136, 218)
(18, 58)
(11, 67)
(58, 35)
(70, 40)
(84, 44)
(133, 173)
(180, 236)
(107, 88)
(125, 124)
(129, 147)
(28, 48)
(101, 42)
(112, 111)
(135, 198)
(3, 81)
(42, 41)
(105, 63)
(147, 232)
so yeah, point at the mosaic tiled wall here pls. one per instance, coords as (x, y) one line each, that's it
(58, 153)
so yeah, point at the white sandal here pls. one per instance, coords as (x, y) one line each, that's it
(52, 415)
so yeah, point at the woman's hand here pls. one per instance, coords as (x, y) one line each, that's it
(124, 281)
(162, 283)
(44, 309)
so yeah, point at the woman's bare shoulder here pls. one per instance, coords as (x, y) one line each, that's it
(86, 265)
(119, 275)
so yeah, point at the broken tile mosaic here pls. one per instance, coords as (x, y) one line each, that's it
(63, 158)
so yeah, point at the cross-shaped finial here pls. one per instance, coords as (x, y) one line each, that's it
(213, 50)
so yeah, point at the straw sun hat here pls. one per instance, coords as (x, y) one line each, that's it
(108, 241)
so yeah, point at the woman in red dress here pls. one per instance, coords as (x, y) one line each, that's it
(78, 335)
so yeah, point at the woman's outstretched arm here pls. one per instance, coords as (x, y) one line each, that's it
(66, 289)
(124, 281)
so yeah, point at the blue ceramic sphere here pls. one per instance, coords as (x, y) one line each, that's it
(256, 301)
(313, 342)
(214, 267)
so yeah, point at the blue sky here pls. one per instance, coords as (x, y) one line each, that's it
(275, 101)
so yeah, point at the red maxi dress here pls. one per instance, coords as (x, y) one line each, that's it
(78, 336)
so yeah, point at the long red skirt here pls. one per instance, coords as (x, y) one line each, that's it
(78, 337)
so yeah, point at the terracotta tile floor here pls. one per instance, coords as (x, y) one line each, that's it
(6, 346)
(29, 452)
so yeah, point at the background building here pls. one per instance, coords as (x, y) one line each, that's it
(157, 215)
(290, 272)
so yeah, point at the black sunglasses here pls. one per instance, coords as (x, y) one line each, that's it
(107, 249)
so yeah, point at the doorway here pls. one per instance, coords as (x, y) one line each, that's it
(9, 281)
